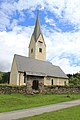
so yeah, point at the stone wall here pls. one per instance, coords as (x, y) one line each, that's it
(46, 90)
(61, 89)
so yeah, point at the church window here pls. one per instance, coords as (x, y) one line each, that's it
(32, 50)
(40, 50)
(52, 82)
(24, 77)
(19, 78)
(65, 83)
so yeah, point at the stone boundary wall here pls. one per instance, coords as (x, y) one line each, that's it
(61, 89)
(46, 90)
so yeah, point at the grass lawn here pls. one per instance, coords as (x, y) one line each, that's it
(72, 113)
(17, 101)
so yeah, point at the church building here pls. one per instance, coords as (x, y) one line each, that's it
(35, 70)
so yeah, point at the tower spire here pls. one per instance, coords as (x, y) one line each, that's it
(37, 29)
(37, 46)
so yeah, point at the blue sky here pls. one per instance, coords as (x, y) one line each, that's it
(60, 23)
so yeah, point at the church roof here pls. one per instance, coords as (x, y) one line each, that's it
(37, 29)
(38, 67)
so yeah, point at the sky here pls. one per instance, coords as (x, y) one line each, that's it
(60, 24)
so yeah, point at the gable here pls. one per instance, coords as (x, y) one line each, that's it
(14, 72)
(14, 65)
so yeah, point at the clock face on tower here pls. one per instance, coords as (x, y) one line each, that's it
(40, 43)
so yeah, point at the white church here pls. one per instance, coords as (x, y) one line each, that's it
(34, 69)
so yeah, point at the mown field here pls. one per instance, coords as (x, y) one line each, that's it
(72, 113)
(17, 101)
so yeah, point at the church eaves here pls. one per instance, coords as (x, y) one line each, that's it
(37, 29)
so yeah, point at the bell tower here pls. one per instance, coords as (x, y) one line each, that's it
(37, 46)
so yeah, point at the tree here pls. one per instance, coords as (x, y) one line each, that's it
(5, 78)
(74, 80)
(1, 74)
(69, 75)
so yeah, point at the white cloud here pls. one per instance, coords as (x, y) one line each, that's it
(7, 9)
(58, 43)
(64, 63)
(61, 47)
(65, 10)
(17, 41)
(72, 11)
(5, 18)
(55, 6)
(68, 10)
(30, 5)
(13, 43)
(50, 21)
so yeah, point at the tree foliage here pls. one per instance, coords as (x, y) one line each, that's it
(74, 79)
(1, 74)
(4, 77)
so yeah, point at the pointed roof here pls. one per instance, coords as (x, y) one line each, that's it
(37, 29)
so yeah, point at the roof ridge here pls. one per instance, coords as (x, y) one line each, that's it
(32, 58)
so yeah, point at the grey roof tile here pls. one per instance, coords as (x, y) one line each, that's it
(38, 67)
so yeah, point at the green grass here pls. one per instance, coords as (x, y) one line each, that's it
(72, 113)
(18, 101)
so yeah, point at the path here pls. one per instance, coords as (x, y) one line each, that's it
(37, 110)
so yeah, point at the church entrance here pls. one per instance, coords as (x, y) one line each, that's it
(35, 84)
